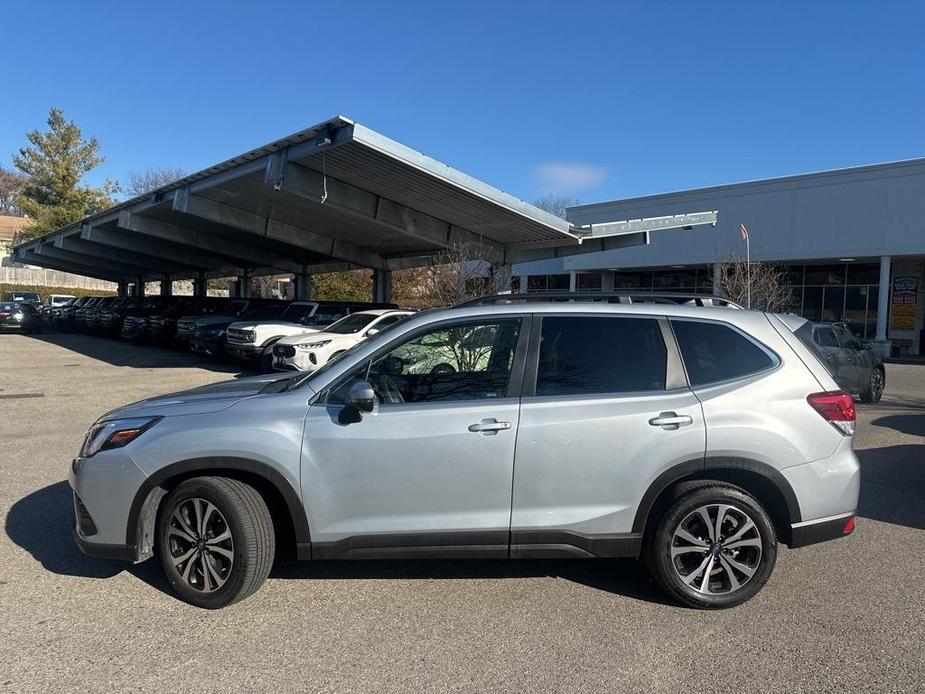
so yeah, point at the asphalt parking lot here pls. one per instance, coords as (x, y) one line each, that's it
(842, 616)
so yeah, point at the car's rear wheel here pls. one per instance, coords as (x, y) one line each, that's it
(875, 386)
(215, 540)
(712, 547)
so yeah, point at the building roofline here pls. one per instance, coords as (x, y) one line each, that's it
(775, 180)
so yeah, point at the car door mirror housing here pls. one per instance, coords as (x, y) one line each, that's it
(372, 331)
(362, 397)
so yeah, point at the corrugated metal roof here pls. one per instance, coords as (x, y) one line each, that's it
(387, 205)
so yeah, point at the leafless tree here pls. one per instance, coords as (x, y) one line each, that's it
(458, 274)
(770, 288)
(11, 183)
(555, 204)
(141, 182)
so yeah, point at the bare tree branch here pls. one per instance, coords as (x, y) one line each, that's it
(141, 182)
(770, 289)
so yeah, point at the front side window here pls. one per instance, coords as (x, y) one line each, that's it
(715, 352)
(464, 361)
(582, 355)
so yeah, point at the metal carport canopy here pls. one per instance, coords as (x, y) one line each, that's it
(332, 197)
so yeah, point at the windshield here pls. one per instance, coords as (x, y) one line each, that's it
(9, 307)
(352, 324)
(25, 296)
(294, 313)
(263, 313)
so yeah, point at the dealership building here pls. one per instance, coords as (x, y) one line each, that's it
(852, 242)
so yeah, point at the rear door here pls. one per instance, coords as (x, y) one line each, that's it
(859, 361)
(605, 411)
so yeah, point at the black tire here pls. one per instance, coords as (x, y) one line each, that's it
(244, 513)
(683, 503)
(875, 385)
(266, 360)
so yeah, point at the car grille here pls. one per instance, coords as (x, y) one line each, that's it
(284, 350)
(238, 336)
(185, 326)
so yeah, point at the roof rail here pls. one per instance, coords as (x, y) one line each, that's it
(678, 299)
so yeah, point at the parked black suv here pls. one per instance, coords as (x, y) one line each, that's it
(853, 364)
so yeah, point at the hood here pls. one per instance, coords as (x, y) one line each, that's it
(318, 336)
(209, 319)
(211, 398)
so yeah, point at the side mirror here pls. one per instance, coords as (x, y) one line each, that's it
(360, 399)
(361, 396)
(372, 331)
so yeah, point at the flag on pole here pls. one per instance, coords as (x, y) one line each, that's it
(744, 232)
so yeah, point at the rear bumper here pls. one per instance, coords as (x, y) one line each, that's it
(821, 530)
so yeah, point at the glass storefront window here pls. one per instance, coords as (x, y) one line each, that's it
(558, 283)
(863, 273)
(833, 304)
(589, 281)
(632, 280)
(825, 274)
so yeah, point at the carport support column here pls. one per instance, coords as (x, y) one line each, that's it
(717, 279)
(139, 286)
(243, 285)
(382, 286)
(882, 345)
(303, 286)
(500, 277)
(200, 285)
(122, 288)
(166, 287)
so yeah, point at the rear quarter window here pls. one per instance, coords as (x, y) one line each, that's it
(714, 352)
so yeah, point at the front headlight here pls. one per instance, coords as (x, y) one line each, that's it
(250, 336)
(313, 345)
(115, 433)
(17, 316)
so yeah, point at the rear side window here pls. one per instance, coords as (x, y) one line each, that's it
(825, 337)
(714, 352)
(583, 355)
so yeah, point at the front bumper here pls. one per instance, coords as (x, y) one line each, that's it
(242, 352)
(105, 486)
(208, 346)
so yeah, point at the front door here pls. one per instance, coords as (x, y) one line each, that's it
(430, 470)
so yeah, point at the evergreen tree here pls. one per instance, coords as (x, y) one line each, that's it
(55, 165)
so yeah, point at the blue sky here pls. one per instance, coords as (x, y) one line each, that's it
(596, 100)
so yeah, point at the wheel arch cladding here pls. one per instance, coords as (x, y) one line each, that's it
(281, 498)
(769, 487)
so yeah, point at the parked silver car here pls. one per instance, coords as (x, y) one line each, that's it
(695, 437)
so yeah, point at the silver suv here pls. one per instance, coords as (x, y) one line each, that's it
(696, 437)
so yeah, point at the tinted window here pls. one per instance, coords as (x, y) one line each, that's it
(716, 352)
(825, 337)
(846, 338)
(585, 355)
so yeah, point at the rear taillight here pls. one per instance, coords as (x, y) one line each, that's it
(836, 408)
(849, 527)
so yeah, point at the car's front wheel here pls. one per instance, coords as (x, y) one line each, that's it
(712, 547)
(215, 541)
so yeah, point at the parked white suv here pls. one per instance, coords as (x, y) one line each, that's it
(308, 352)
(252, 341)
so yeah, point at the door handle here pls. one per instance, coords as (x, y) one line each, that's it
(671, 420)
(489, 427)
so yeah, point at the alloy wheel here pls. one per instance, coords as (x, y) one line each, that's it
(200, 544)
(716, 549)
(876, 385)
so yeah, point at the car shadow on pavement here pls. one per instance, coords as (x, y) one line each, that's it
(893, 484)
(911, 424)
(624, 577)
(41, 524)
(120, 353)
